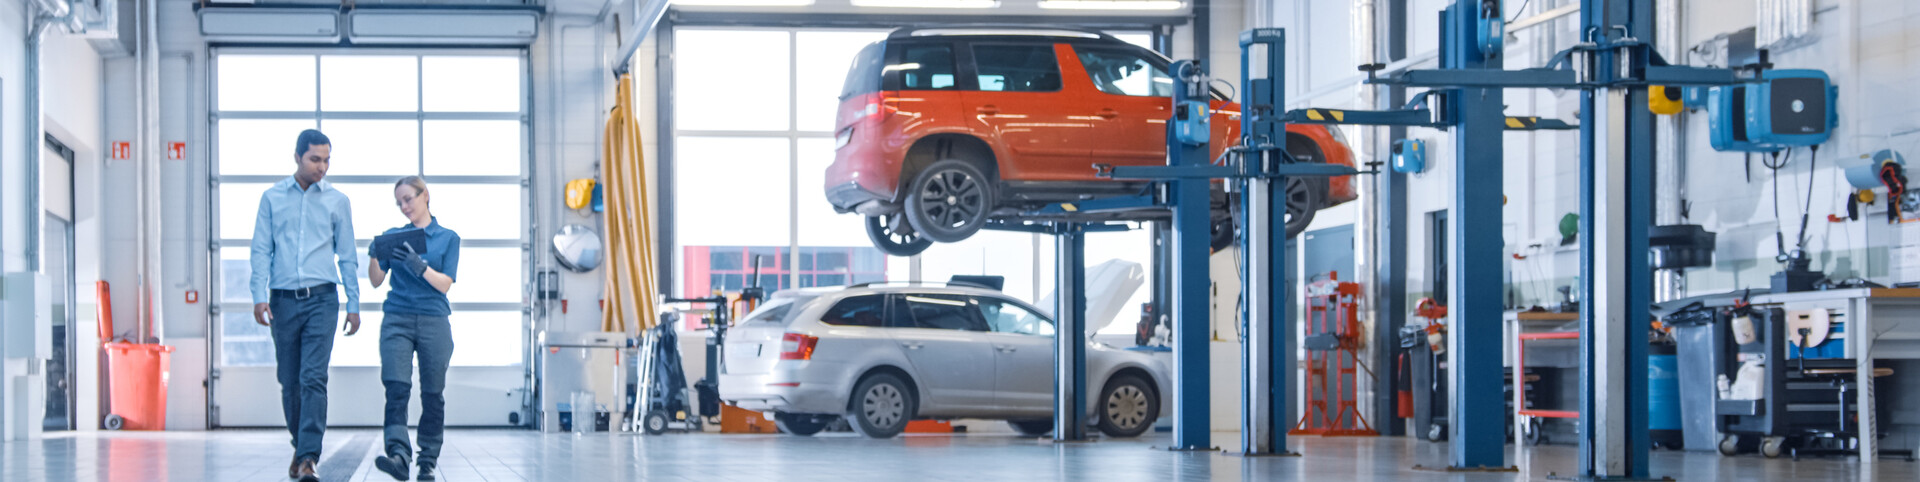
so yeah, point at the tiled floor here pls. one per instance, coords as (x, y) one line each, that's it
(506, 455)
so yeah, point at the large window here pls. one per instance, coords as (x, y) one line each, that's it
(749, 169)
(753, 136)
(455, 118)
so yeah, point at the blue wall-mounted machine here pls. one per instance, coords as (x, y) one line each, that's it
(1779, 110)
(1493, 29)
(1727, 126)
(1792, 108)
(1695, 97)
(1409, 156)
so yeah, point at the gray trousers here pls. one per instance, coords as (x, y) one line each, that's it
(403, 336)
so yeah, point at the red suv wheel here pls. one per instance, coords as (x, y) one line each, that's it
(949, 200)
(892, 234)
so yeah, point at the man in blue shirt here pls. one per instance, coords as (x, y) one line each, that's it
(303, 229)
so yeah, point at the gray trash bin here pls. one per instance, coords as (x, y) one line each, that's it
(1699, 338)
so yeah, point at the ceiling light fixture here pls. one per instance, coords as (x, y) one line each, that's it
(743, 3)
(1112, 4)
(927, 3)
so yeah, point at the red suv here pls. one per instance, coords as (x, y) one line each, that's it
(942, 129)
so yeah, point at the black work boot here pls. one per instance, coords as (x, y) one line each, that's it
(394, 465)
(426, 471)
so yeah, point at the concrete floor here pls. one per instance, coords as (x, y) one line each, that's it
(512, 455)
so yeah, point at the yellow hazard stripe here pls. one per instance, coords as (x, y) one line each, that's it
(1069, 208)
(1321, 115)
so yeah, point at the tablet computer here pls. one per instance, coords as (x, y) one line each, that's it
(384, 245)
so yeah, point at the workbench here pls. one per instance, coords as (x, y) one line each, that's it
(1517, 323)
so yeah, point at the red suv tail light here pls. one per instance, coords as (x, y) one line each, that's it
(795, 346)
(878, 108)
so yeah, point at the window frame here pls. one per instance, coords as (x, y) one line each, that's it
(970, 66)
(894, 80)
(219, 286)
(981, 299)
(1152, 61)
(971, 307)
(884, 300)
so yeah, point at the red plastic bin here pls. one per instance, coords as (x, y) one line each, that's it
(137, 390)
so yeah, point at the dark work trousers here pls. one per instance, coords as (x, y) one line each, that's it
(401, 337)
(303, 324)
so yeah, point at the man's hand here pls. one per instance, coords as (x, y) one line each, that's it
(262, 314)
(353, 323)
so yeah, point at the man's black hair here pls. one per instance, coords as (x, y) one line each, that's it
(309, 138)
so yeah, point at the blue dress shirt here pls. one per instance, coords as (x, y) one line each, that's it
(299, 236)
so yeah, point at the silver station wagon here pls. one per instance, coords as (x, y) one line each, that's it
(883, 355)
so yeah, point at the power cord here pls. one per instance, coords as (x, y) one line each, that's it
(1779, 235)
(1518, 11)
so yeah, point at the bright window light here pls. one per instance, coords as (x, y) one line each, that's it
(1113, 4)
(745, 3)
(927, 3)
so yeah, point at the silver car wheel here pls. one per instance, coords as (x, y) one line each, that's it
(883, 405)
(1127, 407)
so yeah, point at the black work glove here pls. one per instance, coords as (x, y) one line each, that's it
(407, 258)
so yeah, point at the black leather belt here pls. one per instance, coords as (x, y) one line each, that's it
(307, 292)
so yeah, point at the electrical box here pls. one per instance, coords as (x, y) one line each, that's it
(29, 316)
(1191, 123)
(1792, 108)
(1409, 156)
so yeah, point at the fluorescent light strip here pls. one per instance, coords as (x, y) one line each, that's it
(927, 3)
(1112, 4)
(744, 3)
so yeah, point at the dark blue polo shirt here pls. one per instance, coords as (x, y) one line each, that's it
(411, 294)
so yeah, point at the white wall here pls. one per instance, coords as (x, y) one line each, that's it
(70, 73)
(573, 90)
(71, 93)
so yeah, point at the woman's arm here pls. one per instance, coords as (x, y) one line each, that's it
(374, 273)
(440, 281)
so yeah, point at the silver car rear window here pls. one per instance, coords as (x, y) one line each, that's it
(781, 310)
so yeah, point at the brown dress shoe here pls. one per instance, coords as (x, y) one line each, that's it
(293, 469)
(306, 471)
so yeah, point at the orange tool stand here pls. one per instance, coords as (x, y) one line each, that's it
(1333, 362)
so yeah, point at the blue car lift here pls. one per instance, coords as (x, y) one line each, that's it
(1612, 67)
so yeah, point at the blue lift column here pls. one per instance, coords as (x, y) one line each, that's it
(1263, 384)
(1616, 211)
(1070, 337)
(1192, 238)
(1478, 418)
